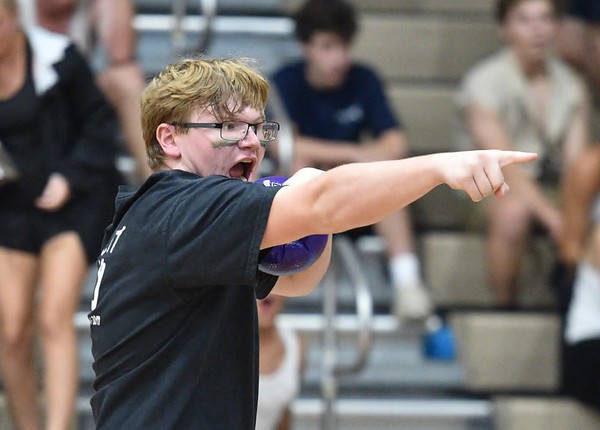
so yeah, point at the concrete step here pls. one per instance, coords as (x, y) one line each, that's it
(447, 47)
(403, 413)
(288, 7)
(543, 413)
(428, 114)
(396, 363)
(435, 7)
(424, 48)
(267, 39)
(372, 414)
(512, 352)
(243, 7)
(443, 255)
(455, 265)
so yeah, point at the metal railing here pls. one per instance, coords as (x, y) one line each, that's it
(208, 10)
(285, 138)
(331, 367)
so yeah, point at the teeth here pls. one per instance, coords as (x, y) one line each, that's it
(244, 179)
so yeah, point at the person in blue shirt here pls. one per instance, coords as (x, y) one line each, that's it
(341, 115)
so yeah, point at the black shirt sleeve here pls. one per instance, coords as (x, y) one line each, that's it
(215, 232)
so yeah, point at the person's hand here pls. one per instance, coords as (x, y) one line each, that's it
(56, 193)
(479, 173)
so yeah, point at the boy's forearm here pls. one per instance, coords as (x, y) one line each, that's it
(360, 194)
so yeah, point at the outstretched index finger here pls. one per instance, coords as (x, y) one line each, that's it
(516, 157)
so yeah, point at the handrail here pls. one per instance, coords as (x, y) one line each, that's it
(331, 367)
(208, 10)
(178, 10)
(285, 137)
(364, 305)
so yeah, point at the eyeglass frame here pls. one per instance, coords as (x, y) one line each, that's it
(219, 125)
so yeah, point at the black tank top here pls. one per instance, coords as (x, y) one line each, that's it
(20, 136)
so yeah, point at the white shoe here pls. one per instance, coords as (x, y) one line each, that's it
(412, 301)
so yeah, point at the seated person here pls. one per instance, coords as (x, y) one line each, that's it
(523, 98)
(281, 360)
(104, 24)
(333, 104)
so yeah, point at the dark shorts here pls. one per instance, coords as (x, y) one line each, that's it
(581, 377)
(586, 10)
(29, 230)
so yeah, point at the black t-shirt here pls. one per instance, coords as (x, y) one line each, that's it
(173, 320)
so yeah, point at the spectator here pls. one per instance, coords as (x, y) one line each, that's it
(581, 249)
(281, 356)
(578, 40)
(524, 98)
(56, 127)
(106, 25)
(333, 103)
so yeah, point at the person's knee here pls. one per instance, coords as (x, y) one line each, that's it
(509, 218)
(16, 335)
(54, 323)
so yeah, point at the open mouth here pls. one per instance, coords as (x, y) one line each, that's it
(242, 170)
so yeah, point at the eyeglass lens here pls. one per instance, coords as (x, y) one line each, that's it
(237, 130)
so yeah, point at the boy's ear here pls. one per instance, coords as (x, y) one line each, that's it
(165, 135)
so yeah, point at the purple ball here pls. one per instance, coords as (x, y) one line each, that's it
(294, 256)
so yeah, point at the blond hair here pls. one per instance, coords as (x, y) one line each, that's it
(223, 87)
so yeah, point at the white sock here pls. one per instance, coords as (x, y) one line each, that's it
(405, 269)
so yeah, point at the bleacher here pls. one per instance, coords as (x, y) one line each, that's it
(506, 374)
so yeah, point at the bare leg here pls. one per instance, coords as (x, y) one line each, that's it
(62, 271)
(396, 229)
(122, 81)
(509, 223)
(18, 271)
(123, 85)
(411, 298)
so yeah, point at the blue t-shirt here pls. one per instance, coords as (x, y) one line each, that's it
(586, 10)
(359, 106)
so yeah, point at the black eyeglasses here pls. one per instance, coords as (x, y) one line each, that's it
(232, 131)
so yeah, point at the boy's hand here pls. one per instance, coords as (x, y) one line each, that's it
(479, 173)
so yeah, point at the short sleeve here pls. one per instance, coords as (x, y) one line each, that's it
(479, 87)
(214, 234)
